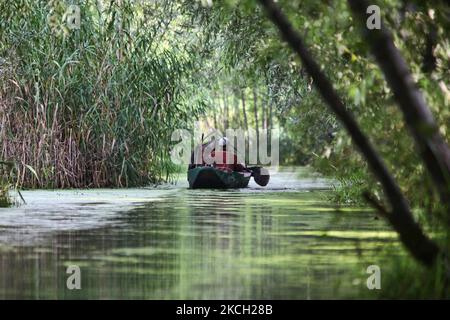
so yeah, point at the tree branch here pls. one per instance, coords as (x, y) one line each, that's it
(418, 117)
(376, 204)
(411, 235)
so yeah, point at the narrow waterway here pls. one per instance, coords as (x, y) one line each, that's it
(284, 241)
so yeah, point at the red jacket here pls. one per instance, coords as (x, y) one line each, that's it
(232, 165)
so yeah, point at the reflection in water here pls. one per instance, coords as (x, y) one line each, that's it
(284, 242)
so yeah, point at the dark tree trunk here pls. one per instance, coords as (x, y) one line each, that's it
(263, 114)
(270, 122)
(270, 111)
(237, 120)
(429, 63)
(225, 111)
(400, 217)
(244, 111)
(255, 105)
(215, 113)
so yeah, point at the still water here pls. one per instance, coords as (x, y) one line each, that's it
(285, 241)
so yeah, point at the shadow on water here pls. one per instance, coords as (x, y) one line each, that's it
(173, 243)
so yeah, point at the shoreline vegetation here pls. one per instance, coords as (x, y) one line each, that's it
(6, 176)
(96, 106)
(92, 107)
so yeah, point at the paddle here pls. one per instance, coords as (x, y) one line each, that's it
(261, 175)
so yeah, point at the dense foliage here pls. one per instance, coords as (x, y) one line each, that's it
(96, 106)
(251, 51)
(251, 48)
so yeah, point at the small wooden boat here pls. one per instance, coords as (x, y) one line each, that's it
(213, 178)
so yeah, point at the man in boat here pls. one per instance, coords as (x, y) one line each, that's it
(227, 161)
(223, 159)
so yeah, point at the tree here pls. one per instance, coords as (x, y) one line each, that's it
(418, 117)
(400, 216)
(243, 109)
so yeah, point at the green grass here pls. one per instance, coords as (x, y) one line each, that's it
(6, 179)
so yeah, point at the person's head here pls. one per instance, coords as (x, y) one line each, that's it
(223, 143)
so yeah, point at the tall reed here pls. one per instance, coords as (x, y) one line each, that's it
(6, 182)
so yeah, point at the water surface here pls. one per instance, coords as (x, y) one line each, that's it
(286, 241)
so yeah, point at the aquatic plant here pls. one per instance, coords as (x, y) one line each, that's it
(6, 172)
(4, 197)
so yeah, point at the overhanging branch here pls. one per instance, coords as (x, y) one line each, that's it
(411, 234)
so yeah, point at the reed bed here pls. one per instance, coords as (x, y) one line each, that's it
(93, 107)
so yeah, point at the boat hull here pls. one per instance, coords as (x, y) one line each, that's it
(212, 178)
